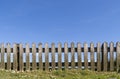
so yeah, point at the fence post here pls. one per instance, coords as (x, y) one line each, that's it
(92, 56)
(86, 55)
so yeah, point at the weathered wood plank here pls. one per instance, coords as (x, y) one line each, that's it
(111, 56)
(46, 57)
(79, 55)
(105, 56)
(86, 55)
(59, 56)
(40, 56)
(15, 63)
(8, 56)
(27, 57)
(53, 56)
(34, 56)
(2, 56)
(72, 56)
(98, 57)
(92, 56)
(21, 65)
(66, 55)
(118, 56)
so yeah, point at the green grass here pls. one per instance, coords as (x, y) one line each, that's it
(59, 74)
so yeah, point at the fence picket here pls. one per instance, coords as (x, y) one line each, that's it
(105, 56)
(92, 56)
(72, 56)
(98, 57)
(118, 56)
(21, 57)
(66, 55)
(53, 56)
(15, 64)
(86, 55)
(34, 56)
(79, 55)
(40, 56)
(59, 56)
(111, 56)
(8, 57)
(27, 57)
(2, 56)
(46, 57)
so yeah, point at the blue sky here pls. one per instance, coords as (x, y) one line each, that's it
(59, 21)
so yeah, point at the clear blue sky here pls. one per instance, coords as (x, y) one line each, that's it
(59, 21)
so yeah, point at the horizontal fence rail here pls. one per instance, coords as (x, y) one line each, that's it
(26, 57)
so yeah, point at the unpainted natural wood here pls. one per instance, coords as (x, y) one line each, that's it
(34, 56)
(98, 56)
(27, 57)
(40, 56)
(46, 57)
(111, 56)
(15, 63)
(92, 56)
(66, 55)
(21, 57)
(59, 56)
(53, 56)
(105, 56)
(8, 56)
(118, 56)
(79, 55)
(2, 56)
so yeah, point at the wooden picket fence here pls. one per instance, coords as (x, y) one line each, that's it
(107, 56)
